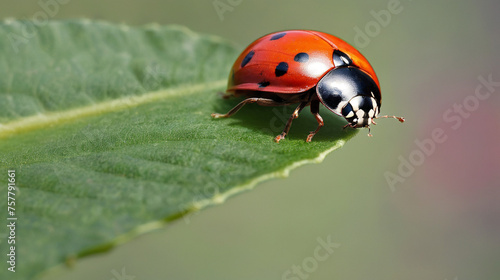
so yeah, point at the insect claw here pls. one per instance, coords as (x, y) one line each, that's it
(218, 116)
(369, 131)
(310, 137)
(280, 137)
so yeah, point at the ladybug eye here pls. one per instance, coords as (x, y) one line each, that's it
(341, 59)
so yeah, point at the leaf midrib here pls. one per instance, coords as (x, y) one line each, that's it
(40, 121)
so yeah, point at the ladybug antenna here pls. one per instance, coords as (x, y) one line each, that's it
(400, 119)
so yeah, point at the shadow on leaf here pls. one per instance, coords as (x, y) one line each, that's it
(271, 120)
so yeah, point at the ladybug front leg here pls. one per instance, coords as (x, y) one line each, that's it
(289, 122)
(259, 101)
(319, 119)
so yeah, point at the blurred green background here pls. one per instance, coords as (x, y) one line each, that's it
(440, 219)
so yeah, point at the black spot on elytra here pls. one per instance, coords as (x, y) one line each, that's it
(341, 59)
(247, 58)
(301, 57)
(278, 36)
(281, 69)
(264, 84)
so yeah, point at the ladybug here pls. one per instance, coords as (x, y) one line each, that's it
(307, 67)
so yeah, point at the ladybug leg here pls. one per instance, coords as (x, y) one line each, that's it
(319, 119)
(289, 122)
(259, 101)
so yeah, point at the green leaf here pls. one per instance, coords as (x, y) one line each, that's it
(109, 131)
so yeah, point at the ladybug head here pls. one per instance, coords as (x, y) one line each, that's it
(360, 111)
(352, 93)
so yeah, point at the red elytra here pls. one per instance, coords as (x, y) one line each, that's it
(307, 67)
(268, 53)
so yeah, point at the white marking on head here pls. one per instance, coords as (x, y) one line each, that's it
(355, 104)
(360, 114)
(351, 113)
(344, 60)
(371, 113)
